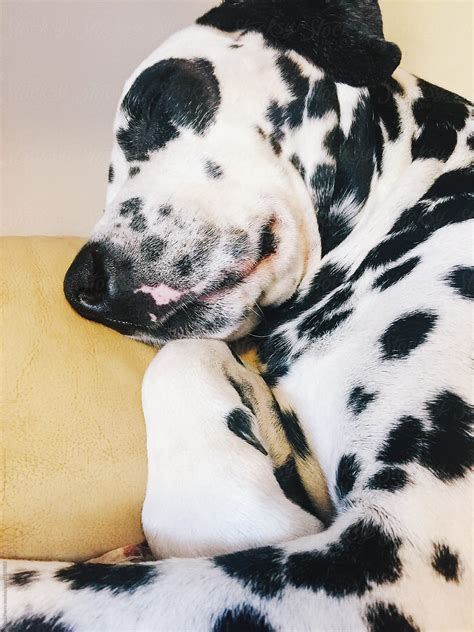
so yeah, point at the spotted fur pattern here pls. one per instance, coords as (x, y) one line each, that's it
(267, 181)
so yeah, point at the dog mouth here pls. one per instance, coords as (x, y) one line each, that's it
(152, 320)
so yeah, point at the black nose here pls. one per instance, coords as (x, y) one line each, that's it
(87, 282)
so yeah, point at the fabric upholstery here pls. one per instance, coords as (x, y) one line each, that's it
(72, 428)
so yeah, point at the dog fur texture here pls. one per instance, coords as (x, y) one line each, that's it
(274, 176)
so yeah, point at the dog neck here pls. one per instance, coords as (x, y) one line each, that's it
(356, 152)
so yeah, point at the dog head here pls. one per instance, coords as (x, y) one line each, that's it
(208, 213)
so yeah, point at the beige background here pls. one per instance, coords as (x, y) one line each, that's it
(63, 66)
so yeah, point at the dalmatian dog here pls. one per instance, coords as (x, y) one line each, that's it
(278, 185)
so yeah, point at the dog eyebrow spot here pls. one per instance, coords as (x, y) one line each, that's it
(170, 95)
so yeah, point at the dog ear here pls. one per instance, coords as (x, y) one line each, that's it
(343, 37)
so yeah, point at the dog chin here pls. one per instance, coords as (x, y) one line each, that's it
(238, 330)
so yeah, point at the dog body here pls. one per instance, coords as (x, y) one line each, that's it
(330, 222)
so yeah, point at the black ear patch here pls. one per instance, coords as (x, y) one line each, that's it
(171, 94)
(343, 38)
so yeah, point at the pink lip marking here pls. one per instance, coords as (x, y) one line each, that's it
(161, 294)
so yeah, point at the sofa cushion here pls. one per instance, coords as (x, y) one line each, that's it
(73, 430)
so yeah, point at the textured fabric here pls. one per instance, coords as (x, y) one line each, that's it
(73, 433)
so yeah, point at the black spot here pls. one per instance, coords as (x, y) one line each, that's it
(276, 145)
(461, 279)
(359, 399)
(363, 555)
(242, 390)
(23, 578)
(267, 244)
(214, 170)
(133, 171)
(261, 570)
(138, 222)
(386, 110)
(389, 250)
(242, 619)
(37, 624)
(274, 353)
(323, 99)
(165, 210)
(385, 617)
(184, 265)
(152, 247)
(388, 479)
(333, 226)
(446, 563)
(470, 141)
(275, 350)
(414, 226)
(316, 328)
(347, 472)
(337, 301)
(117, 578)
(171, 94)
(404, 442)
(236, 46)
(290, 482)
(298, 85)
(448, 446)
(239, 422)
(293, 431)
(131, 206)
(424, 219)
(406, 334)
(353, 175)
(440, 114)
(298, 165)
(333, 142)
(111, 174)
(397, 273)
(328, 278)
(455, 182)
(276, 116)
